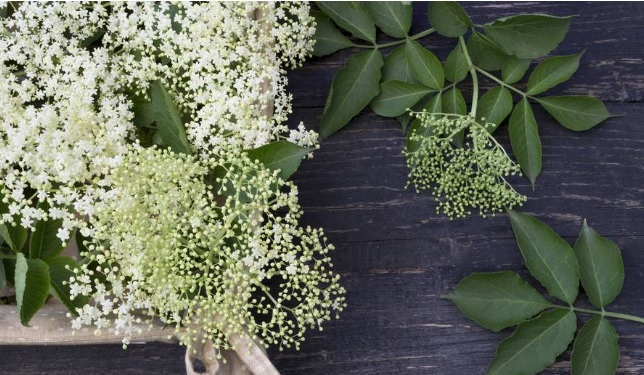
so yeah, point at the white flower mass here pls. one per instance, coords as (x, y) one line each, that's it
(210, 240)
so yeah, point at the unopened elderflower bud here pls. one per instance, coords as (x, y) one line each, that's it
(461, 178)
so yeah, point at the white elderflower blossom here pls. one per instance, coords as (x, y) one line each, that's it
(159, 245)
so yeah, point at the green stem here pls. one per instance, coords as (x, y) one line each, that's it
(391, 44)
(608, 314)
(500, 82)
(475, 80)
(6, 256)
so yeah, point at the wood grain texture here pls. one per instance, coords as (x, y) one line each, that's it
(397, 257)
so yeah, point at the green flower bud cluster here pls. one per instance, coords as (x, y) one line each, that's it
(461, 178)
(212, 247)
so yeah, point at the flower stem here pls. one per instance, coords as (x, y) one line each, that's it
(608, 314)
(6, 256)
(475, 80)
(397, 42)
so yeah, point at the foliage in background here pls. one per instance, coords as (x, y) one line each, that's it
(500, 300)
(411, 76)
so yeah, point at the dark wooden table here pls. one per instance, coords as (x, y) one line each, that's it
(397, 257)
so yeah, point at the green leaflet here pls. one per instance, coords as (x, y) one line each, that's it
(352, 89)
(433, 106)
(527, 36)
(596, 351)
(396, 97)
(448, 18)
(484, 53)
(547, 256)
(514, 69)
(3, 275)
(456, 65)
(32, 286)
(397, 68)
(328, 38)
(535, 344)
(495, 105)
(59, 280)
(44, 242)
(454, 102)
(601, 268)
(352, 17)
(497, 300)
(425, 66)
(524, 138)
(168, 119)
(14, 236)
(576, 113)
(551, 72)
(280, 155)
(392, 17)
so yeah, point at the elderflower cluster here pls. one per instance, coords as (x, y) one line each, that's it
(214, 244)
(462, 178)
(66, 117)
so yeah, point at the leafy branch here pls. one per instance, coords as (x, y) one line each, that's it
(412, 77)
(499, 300)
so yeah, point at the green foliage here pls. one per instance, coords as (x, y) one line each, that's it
(352, 16)
(528, 36)
(396, 67)
(576, 113)
(43, 242)
(425, 65)
(507, 45)
(514, 69)
(494, 106)
(595, 351)
(392, 17)
(524, 138)
(61, 269)
(498, 300)
(352, 89)
(32, 286)
(328, 38)
(601, 266)
(168, 119)
(448, 18)
(280, 155)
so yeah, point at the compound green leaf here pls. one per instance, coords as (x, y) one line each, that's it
(353, 87)
(601, 268)
(595, 351)
(497, 300)
(548, 257)
(525, 141)
(576, 113)
(535, 344)
(495, 105)
(61, 269)
(168, 119)
(352, 16)
(328, 38)
(456, 65)
(484, 53)
(514, 69)
(425, 65)
(396, 97)
(396, 67)
(551, 72)
(32, 286)
(392, 17)
(527, 36)
(448, 18)
(280, 155)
